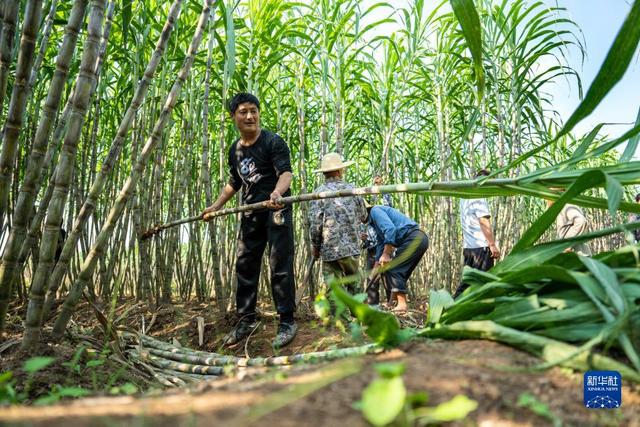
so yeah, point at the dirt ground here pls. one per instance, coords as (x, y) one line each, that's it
(317, 395)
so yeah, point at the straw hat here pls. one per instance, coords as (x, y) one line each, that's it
(332, 162)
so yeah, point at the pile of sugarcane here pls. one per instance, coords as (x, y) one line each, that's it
(175, 365)
(569, 310)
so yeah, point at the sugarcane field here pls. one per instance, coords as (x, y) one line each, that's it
(320, 213)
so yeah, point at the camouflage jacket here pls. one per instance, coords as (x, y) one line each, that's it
(334, 224)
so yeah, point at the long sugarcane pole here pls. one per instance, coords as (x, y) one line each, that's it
(400, 188)
(464, 188)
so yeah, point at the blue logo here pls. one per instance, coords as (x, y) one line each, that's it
(602, 389)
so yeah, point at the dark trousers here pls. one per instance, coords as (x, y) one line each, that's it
(478, 258)
(256, 230)
(411, 249)
(373, 284)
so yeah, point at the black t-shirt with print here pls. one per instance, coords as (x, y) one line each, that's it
(256, 169)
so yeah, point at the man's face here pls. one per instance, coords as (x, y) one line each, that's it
(247, 117)
(377, 180)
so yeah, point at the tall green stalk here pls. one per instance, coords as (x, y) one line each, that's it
(127, 190)
(18, 104)
(7, 39)
(28, 193)
(97, 187)
(53, 221)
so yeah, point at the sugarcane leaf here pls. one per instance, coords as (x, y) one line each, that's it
(508, 306)
(630, 149)
(614, 195)
(587, 180)
(126, 20)
(383, 400)
(537, 273)
(586, 143)
(37, 363)
(382, 327)
(533, 255)
(549, 349)
(230, 46)
(604, 278)
(489, 290)
(573, 332)
(547, 316)
(438, 301)
(609, 145)
(613, 68)
(609, 282)
(467, 15)
(543, 252)
(471, 276)
(457, 408)
(467, 310)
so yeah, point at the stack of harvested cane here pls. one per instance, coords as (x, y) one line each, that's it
(173, 365)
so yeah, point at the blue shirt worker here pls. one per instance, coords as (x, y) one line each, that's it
(396, 232)
(369, 243)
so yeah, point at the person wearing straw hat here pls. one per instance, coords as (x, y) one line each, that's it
(334, 224)
(572, 222)
(260, 166)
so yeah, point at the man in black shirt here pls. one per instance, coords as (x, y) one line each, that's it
(260, 165)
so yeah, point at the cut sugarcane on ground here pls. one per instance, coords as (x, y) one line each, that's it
(493, 374)
(437, 367)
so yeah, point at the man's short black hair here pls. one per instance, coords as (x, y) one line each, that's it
(241, 98)
(638, 197)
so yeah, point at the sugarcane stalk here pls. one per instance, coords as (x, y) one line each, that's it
(18, 103)
(98, 248)
(36, 219)
(489, 187)
(206, 174)
(7, 39)
(150, 342)
(89, 204)
(28, 192)
(2, 6)
(81, 101)
(305, 281)
(546, 348)
(176, 366)
(187, 356)
(44, 43)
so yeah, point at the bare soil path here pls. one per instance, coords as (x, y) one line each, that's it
(494, 375)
